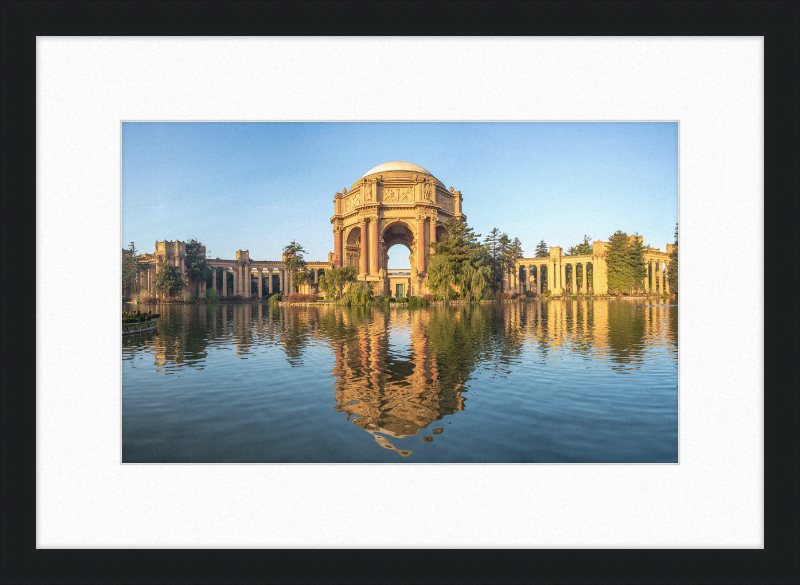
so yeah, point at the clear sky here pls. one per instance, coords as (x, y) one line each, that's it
(259, 185)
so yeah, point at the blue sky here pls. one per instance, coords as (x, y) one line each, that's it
(259, 185)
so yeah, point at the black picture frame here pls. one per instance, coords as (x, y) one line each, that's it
(777, 22)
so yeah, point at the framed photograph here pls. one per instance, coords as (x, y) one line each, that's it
(261, 436)
(386, 335)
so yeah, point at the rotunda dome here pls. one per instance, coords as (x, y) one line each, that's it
(396, 166)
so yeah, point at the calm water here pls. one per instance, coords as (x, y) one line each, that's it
(555, 381)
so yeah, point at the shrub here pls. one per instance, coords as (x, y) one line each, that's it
(381, 302)
(234, 298)
(428, 298)
(138, 316)
(212, 295)
(301, 298)
(392, 300)
(418, 301)
(276, 298)
(359, 293)
(402, 299)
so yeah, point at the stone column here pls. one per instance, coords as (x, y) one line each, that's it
(225, 282)
(556, 277)
(338, 248)
(647, 278)
(373, 246)
(663, 279)
(666, 282)
(363, 266)
(260, 282)
(655, 279)
(421, 244)
(269, 271)
(538, 279)
(562, 280)
(214, 278)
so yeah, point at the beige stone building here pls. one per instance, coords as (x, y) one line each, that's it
(557, 272)
(397, 203)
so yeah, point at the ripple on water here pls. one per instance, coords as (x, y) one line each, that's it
(557, 381)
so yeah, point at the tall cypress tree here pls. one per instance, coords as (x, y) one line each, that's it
(636, 262)
(453, 256)
(503, 247)
(542, 251)
(490, 245)
(625, 261)
(620, 278)
(672, 270)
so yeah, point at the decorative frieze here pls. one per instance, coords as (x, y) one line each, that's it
(447, 203)
(398, 195)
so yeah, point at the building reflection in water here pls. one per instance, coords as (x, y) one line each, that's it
(391, 388)
(397, 372)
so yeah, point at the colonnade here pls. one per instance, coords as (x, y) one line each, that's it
(558, 267)
(242, 287)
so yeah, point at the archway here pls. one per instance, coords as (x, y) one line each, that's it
(398, 245)
(352, 248)
(396, 202)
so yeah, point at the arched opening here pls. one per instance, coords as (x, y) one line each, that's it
(398, 258)
(398, 244)
(352, 248)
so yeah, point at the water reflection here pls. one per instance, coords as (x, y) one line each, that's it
(399, 373)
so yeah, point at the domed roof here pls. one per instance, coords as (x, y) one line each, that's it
(396, 166)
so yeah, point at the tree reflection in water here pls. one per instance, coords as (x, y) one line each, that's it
(392, 393)
(397, 372)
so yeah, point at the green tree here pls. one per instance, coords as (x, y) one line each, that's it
(196, 267)
(168, 280)
(511, 250)
(294, 262)
(493, 262)
(130, 268)
(585, 247)
(542, 251)
(332, 282)
(452, 256)
(503, 255)
(625, 261)
(672, 268)
(636, 262)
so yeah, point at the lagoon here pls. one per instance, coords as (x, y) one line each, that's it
(551, 381)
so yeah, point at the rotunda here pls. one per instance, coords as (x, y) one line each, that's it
(393, 203)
